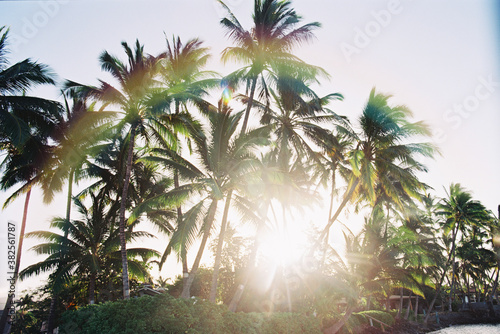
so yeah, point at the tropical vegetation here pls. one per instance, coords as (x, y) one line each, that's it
(223, 164)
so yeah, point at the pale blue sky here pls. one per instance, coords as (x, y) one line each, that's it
(441, 59)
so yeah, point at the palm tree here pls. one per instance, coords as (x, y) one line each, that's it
(92, 245)
(222, 159)
(241, 163)
(26, 166)
(475, 262)
(149, 192)
(26, 124)
(266, 46)
(460, 213)
(335, 149)
(383, 161)
(22, 115)
(140, 117)
(183, 76)
(73, 145)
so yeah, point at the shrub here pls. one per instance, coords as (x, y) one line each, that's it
(364, 317)
(165, 314)
(290, 323)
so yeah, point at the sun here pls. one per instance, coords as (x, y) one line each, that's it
(281, 248)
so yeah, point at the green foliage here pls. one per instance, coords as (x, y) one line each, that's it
(165, 314)
(289, 323)
(363, 318)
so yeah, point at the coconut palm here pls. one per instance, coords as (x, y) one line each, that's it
(25, 166)
(26, 125)
(223, 158)
(267, 45)
(140, 118)
(460, 213)
(22, 115)
(182, 73)
(474, 263)
(334, 149)
(150, 193)
(73, 145)
(383, 160)
(183, 76)
(92, 244)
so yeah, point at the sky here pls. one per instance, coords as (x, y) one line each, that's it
(440, 59)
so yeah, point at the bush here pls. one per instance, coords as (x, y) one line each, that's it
(165, 314)
(364, 317)
(290, 323)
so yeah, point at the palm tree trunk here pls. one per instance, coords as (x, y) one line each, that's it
(332, 197)
(468, 291)
(249, 106)
(10, 298)
(185, 270)
(52, 310)
(68, 203)
(53, 302)
(251, 265)
(220, 243)
(123, 239)
(186, 289)
(347, 198)
(447, 264)
(492, 294)
(476, 288)
(92, 288)
(452, 285)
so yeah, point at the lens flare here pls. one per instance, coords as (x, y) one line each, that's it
(227, 92)
(227, 95)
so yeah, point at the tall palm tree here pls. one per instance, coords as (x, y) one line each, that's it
(241, 163)
(25, 163)
(137, 81)
(475, 262)
(149, 192)
(460, 213)
(73, 145)
(183, 76)
(267, 45)
(223, 157)
(295, 118)
(297, 121)
(383, 156)
(22, 115)
(26, 124)
(25, 166)
(334, 149)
